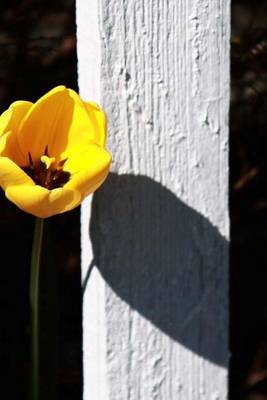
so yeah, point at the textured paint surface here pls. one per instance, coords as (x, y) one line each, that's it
(159, 226)
(94, 338)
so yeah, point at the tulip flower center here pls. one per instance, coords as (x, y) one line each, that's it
(47, 172)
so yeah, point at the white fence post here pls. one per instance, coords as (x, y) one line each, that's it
(156, 301)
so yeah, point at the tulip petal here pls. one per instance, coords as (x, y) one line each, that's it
(11, 118)
(11, 174)
(9, 123)
(59, 121)
(37, 129)
(89, 167)
(42, 202)
(4, 120)
(9, 148)
(99, 120)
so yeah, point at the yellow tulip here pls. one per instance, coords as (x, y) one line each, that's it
(52, 152)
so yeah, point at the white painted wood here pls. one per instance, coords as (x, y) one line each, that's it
(94, 332)
(156, 303)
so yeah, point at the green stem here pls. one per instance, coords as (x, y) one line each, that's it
(34, 299)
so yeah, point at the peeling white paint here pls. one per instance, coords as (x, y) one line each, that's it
(160, 224)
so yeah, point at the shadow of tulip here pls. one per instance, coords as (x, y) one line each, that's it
(165, 260)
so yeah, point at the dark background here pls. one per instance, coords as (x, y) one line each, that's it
(248, 201)
(38, 52)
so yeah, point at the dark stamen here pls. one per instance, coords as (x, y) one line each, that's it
(50, 178)
(30, 159)
(61, 163)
